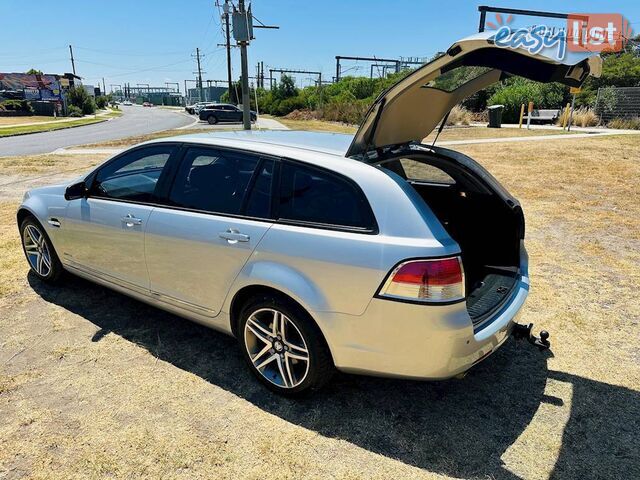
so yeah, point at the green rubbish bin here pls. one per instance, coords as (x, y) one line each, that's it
(495, 116)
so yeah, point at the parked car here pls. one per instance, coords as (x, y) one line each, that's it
(373, 254)
(147, 104)
(195, 108)
(127, 103)
(223, 112)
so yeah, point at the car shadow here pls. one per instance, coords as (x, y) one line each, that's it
(457, 427)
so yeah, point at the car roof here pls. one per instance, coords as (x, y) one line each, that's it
(317, 148)
(262, 140)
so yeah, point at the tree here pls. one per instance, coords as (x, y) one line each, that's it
(286, 88)
(518, 90)
(78, 97)
(33, 71)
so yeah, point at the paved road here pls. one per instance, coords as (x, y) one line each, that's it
(135, 121)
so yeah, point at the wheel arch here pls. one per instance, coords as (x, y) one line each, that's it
(22, 213)
(250, 291)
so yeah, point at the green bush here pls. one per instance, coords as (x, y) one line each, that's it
(16, 106)
(73, 111)
(78, 97)
(520, 90)
(102, 101)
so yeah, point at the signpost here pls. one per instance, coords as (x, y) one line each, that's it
(572, 91)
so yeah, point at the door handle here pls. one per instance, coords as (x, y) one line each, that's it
(232, 235)
(129, 220)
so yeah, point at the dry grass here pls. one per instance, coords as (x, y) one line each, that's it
(585, 117)
(625, 123)
(459, 132)
(95, 385)
(317, 125)
(125, 142)
(459, 116)
(471, 133)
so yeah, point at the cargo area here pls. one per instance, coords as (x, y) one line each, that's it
(478, 214)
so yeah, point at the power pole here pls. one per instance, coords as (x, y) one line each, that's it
(246, 110)
(104, 88)
(73, 63)
(199, 74)
(226, 26)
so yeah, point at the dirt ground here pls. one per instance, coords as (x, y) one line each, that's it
(95, 385)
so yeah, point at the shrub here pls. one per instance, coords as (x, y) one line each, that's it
(78, 97)
(520, 90)
(101, 102)
(459, 116)
(16, 106)
(288, 105)
(73, 111)
(585, 117)
(625, 123)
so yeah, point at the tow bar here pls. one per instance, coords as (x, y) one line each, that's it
(521, 331)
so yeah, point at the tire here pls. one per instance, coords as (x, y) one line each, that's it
(37, 248)
(283, 369)
(212, 119)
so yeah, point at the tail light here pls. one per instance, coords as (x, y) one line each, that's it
(438, 280)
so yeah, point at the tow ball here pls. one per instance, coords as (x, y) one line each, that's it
(525, 332)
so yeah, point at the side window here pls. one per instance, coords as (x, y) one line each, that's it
(133, 176)
(212, 180)
(420, 172)
(317, 196)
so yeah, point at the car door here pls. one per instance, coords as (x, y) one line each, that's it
(104, 232)
(218, 210)
(226, 113)
(235, 114)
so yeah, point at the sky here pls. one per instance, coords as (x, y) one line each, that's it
(152, 41)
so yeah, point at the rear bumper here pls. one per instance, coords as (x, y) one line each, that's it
(429, 342)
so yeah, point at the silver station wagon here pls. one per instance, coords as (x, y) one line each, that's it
(373, 254)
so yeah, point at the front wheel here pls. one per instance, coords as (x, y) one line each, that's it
(212, 120)
(37, 247)
(283, 347)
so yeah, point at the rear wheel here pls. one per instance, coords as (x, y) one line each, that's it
(283, 347)
(37, 247)
(212, 119)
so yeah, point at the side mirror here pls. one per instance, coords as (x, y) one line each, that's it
(75, 191)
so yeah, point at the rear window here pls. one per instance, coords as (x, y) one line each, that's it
(416, 171)
(455, 78)
(315, 196)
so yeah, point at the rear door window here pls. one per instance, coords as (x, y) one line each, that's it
(213, 180)
(258, 203)
(318, 197)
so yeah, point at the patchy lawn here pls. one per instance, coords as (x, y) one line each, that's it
(448, 133)
(93, 384)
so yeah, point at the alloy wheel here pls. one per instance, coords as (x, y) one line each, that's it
(37, 250)
(276, 347)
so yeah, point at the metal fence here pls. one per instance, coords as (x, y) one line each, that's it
(618, 102)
